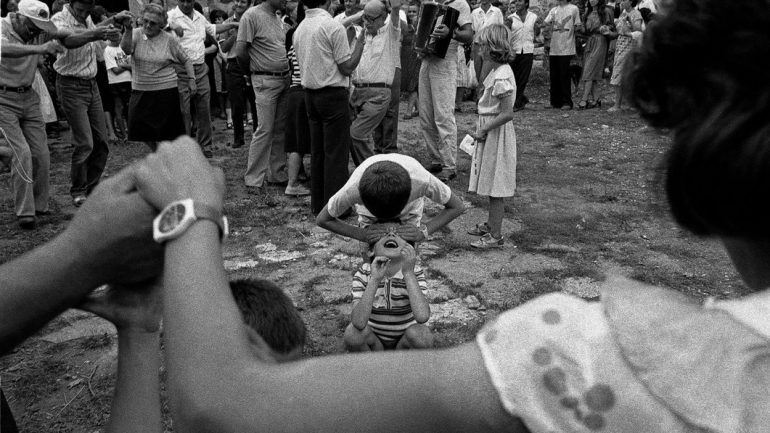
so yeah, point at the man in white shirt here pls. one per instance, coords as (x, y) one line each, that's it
(564, 20)
(525, 26)
(483, 16)
(374, 76)
(437, 85)
(191, 28)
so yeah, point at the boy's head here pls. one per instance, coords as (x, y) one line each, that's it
(385, 188)
(390, 246)
(275, 328)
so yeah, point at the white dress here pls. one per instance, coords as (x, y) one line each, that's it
(493, 168)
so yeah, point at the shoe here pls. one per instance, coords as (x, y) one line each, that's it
(237, 145)
(566, 108)
(582, 105)
(480, 230)
(229, 125)
(613, 109)
(43, 213)
(297, 191)
(249, 121)
(27, 222)
(435, 168)
(78, 200)
(279, 183)
(488, 242)
(446, 176)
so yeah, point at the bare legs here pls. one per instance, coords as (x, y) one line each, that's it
(496, 210)
(417, 336)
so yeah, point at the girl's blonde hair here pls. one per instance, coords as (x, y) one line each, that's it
(495, 37)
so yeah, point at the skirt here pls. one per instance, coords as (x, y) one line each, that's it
(594, 58)
(493, 167)
(155, 115)
(297, 123)
(622, 50)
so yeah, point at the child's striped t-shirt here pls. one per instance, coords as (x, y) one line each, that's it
(391, 310)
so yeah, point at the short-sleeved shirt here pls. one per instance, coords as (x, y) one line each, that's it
(391, 310)
(16, 72)
(424, 184)
(195, 30)
(481, 19)
(153, 61)
(111, 57)
(265, 33)
(381, 55)
(463, 19)
(321, 44)
(564, 19)
(562, 364)
(498, 84)
(522, 38)
(75, 62)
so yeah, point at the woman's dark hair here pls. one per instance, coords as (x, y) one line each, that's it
(217, 13)
(290, 33)
(601, 10)
(718, 109)
(198, 7)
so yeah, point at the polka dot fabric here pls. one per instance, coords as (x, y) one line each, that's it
(556, 366)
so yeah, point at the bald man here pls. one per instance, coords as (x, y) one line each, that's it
(374, 76)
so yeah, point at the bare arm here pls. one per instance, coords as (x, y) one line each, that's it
(353, 19)
(242, 55)
(335, 225)
(13, 51)
(363, 309)
(464, 34)
(417, 300)
(228, 43)
(127, 42)
(452, 209)
(505, 116)
(395, 17)
(78, 39)
(221, 28)
(347, 67)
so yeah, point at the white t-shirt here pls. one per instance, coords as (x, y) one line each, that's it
(424, 184)
(111, 57)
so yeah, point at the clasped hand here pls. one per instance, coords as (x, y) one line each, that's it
(407, 232)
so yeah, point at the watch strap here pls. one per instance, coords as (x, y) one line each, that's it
(206, 212)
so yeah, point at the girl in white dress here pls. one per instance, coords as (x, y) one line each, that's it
(493, 169)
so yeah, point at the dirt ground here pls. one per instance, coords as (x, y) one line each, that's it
(588, 203)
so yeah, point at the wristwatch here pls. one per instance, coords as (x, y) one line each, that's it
(424, 231)
(178, 216)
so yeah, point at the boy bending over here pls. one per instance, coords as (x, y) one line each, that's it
(392, 308)
(275, 330)
(389, 187)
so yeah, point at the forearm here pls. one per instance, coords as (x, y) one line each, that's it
(499, 120)
(39, 285)
(244, 62)
(221, 28)
(464, 34)
(363, 309)
(349, 21)
(199, 310)
(351, 64)
(136, 402)
(189, 69)
(420, 306)
(76, 40)
(127, 43)
(452, 209)
(228, 43)
(335, 225)
(13, 51)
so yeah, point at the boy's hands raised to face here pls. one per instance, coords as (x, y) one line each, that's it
(379, 266)
(409, 257)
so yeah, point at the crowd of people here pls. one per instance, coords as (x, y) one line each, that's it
(641, 359)
(156, 74)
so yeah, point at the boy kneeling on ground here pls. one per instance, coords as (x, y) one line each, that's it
(392, 308)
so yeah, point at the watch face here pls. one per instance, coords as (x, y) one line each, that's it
(171, 218)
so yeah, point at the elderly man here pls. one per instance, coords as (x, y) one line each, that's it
(20, 118)
(191, 28)
(79, 94)
(261, 49)
(437, 95)
(374, 76)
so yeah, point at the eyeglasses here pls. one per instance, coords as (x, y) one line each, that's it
(149, 23)
(370, 19)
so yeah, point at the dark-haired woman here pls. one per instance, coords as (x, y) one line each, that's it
(630, 21)
(598, 25)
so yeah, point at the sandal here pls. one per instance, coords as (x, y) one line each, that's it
(582, 105)
(488, 241)
(229, 125)
(480, 230)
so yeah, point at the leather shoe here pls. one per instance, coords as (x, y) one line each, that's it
(27, 222)
(435, 168)
(446, 176)
(279, 183)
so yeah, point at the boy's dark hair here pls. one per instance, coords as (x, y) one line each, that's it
(385, 188)
(267, 310)
(217, 13)
(718, 169)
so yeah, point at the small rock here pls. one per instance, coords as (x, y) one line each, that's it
(472, 302)
(605, 126)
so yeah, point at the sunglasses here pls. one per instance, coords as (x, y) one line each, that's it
(367, 18)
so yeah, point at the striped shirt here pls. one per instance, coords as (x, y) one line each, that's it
(296, 78)
(391, 309)
(75, 62)
(153, 61)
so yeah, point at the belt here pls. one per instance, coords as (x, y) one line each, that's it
(377, 85)
(15, 89)
(272, 74)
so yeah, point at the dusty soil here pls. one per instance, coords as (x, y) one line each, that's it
(587, 204)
